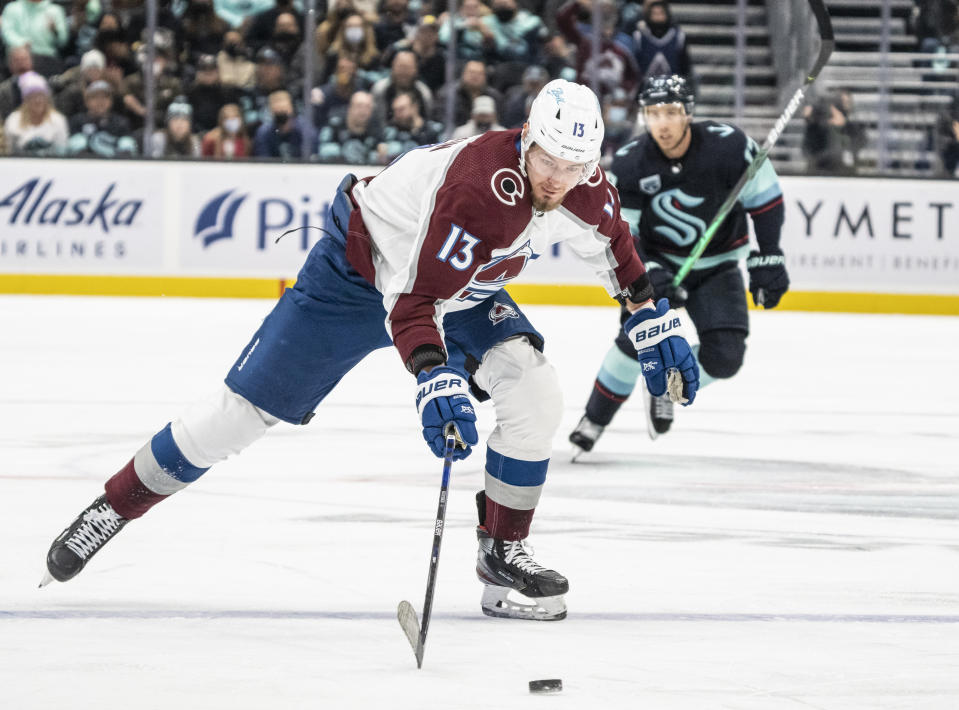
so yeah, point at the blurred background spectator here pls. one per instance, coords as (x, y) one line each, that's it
(403, 77)
(407, 128)
(40, 25)
(354, 138)
(207, 94)
(518, 98)
(228, 140)
(482, 119)
(659, 45)
(35, 128)
(19, 62)
(176, 139)
(474, 38)
(948, 125)
(472, 83)
(99, 131)
(282, 134)
(833, 138)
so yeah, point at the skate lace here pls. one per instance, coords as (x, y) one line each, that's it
(97, 527)
(662, 408)
(518, 554)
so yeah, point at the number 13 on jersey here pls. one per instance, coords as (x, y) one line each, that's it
(462, 258)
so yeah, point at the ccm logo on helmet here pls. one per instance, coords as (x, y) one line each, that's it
(658, 329)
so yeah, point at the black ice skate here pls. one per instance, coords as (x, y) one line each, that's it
(504, 565)
(659, 413)
(92, 529)
(584, 436)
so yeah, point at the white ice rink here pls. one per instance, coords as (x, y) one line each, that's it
(793, 543)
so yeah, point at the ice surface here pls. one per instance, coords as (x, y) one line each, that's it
(792, 543)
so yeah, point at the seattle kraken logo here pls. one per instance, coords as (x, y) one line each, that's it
(680, 227)
(216, 218)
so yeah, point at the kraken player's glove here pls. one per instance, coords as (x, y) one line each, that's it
(662, 282)
(668, 363)
(768, 280)
(442, 399)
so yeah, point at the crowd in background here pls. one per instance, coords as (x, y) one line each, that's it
(229, 74)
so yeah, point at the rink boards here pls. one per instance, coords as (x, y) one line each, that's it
(212, 229)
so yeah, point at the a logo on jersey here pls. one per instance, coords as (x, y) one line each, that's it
(500, 312)
(596, 178)
(508, 186)
(216, 218)
(679, 227)
(497, 274)
(723, 130)
(650, 185)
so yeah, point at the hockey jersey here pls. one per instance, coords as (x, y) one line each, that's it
(446, 226)
(670, 203)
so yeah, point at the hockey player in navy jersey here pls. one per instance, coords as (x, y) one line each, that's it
(672, 181)
(417, 258)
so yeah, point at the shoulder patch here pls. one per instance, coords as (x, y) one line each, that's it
(651, 184)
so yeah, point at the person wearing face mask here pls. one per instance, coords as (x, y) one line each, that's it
(395, 23)
(262, 26)
(233, 62)
(519, 37)
(355, 39)
(228, 140)
(202, 29)
(659, 45)
(482, 119)
(285, 39)
(207, 94)
(620, 124)
(283, 135)
(168, 84)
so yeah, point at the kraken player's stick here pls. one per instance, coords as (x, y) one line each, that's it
(825, 49)
(405, 612)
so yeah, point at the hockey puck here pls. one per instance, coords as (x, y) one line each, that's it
(552, 685)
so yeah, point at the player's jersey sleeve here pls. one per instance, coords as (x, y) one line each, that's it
(605, 242)
(623, 174)
(763, 190)
(441, 263)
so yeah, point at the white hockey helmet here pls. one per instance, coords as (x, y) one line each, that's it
(566, 121)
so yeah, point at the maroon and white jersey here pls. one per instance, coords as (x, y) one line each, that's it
(451, 224)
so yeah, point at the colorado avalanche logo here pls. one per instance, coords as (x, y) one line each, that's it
(596, 178)
(508, 186)
(500, 312)
(497, 274)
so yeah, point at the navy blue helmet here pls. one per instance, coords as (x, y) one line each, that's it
(667, 89)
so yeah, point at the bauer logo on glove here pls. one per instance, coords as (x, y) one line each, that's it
(664, 353)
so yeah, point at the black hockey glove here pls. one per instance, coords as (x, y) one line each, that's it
(662, 281)
(768, 280)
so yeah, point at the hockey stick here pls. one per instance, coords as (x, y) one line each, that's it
(825, 49)
(405, 613)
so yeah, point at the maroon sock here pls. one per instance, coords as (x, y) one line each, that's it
(507, 523)
(127, 494)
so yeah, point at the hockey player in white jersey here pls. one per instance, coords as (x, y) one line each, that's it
(426, 247)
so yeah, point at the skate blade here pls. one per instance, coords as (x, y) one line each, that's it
(647, 403)
(497, 602)
(576, 453)
(47, 578)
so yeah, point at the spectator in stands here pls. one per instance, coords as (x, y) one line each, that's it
(408, 129)
(474, 38)
(619, 118)
(203, 30)
(270, 77)
(519, 36)
(396, 22)
(283, 134)
(286, 36)
(328, 30)
(263, 25)
(167, 83)
(39, 24)
(236, 12)
(430, 58)
(228, 140)
(403, 77)
(949, 138)
(207, 95)
(100, 131)
(36, 128)
(111, 41)
(19, 63)
(659, 45)
(82, 22)
(615, 67)
(833, 138)
(355, 39)
(69, 98)
(482, 119)
(519, 98)
(176, 139)
(472, 83)
(353, 139)
(936, 24)
(234, 63)
(333, 98)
